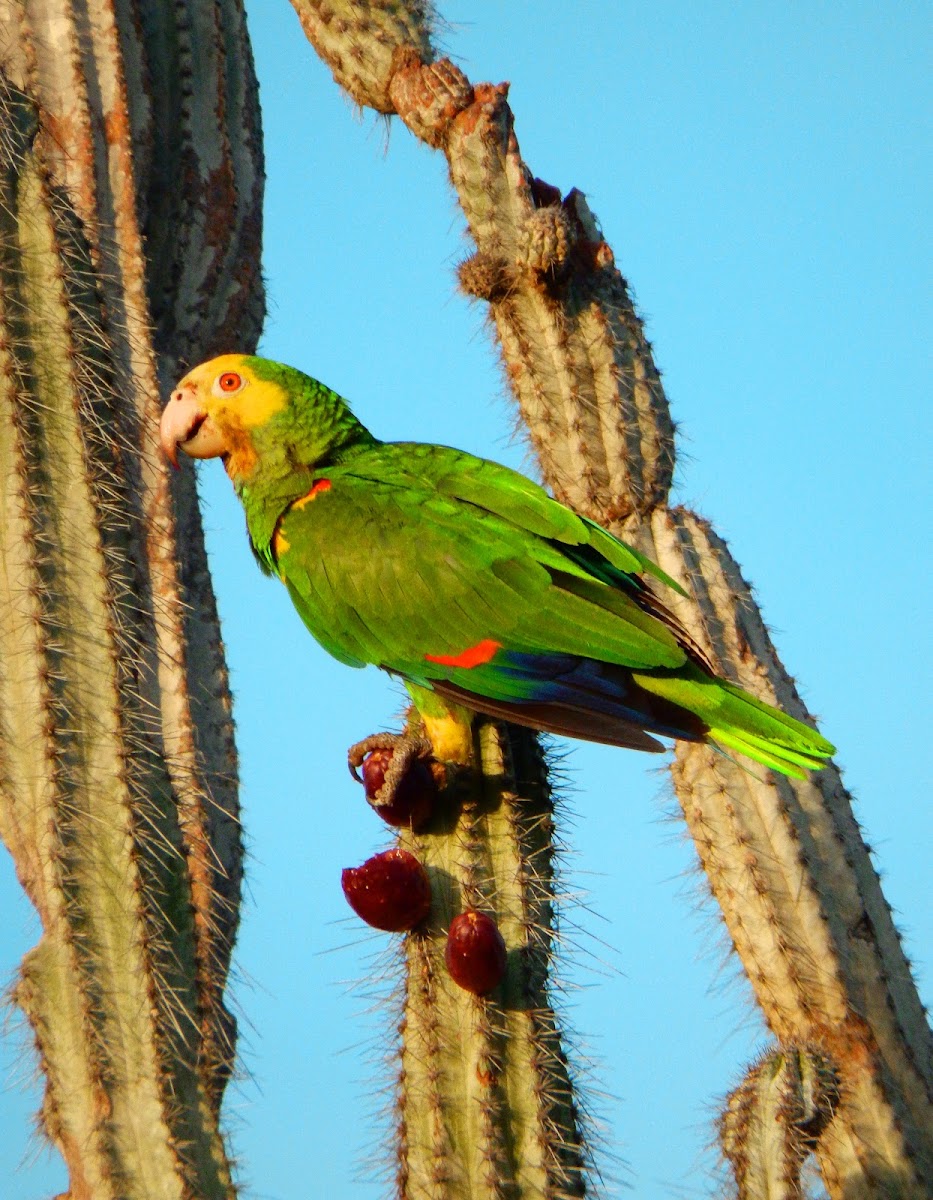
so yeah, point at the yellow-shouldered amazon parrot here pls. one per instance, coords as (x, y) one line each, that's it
(461, 577)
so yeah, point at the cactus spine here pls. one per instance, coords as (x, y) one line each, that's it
(117, 768)
(785, 860)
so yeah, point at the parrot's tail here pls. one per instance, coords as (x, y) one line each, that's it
(601, 702)
(738, 721)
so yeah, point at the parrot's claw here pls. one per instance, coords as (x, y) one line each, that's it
(405, 749)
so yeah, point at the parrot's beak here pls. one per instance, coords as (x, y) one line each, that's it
(186, 425)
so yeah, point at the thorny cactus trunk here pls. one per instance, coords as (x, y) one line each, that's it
(487, 1106)
(784, 859)
(130, 188)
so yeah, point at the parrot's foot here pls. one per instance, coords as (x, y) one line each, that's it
(405, 751)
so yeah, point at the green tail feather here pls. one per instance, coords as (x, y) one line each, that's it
(739, 721)
(788, 762)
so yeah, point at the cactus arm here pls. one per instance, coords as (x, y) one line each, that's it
(774, 1118)
(803, 904)
(107, 818)
(361, 42)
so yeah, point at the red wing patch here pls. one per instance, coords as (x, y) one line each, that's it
(321, 485)
(473, 656)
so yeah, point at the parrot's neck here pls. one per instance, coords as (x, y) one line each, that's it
(290, 453)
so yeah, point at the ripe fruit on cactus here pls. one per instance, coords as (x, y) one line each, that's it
(389, 891)
(413, 800)
(475, 953)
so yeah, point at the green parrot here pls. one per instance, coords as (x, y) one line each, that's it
(461, 577)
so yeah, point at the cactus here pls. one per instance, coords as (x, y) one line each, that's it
(487, 1104)
(788, 866)
(774, 1118)
(785, 860)
(118, 792)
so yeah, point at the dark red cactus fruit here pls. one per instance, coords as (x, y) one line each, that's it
(389, 891)
(475, 953)
(413, 802)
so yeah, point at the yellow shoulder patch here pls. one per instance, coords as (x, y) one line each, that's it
(280, 542)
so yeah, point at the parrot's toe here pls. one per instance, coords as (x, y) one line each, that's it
(405, 750)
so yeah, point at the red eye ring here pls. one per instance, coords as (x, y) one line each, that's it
(229, 382)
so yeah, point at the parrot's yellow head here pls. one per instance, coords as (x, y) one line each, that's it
(270, 423)
(215, 408)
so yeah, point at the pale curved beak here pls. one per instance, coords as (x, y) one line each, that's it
(186, 426)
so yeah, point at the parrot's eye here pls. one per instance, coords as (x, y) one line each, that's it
(228, 383)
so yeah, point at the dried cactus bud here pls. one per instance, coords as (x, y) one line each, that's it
(389, 891)
(413, 802)
(545, 239)
(486, 276)
(475, 953)
(428, 95)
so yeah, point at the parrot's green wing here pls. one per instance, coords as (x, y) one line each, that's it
(520, 501)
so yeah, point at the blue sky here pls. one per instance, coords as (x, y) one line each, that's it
(762, 173)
